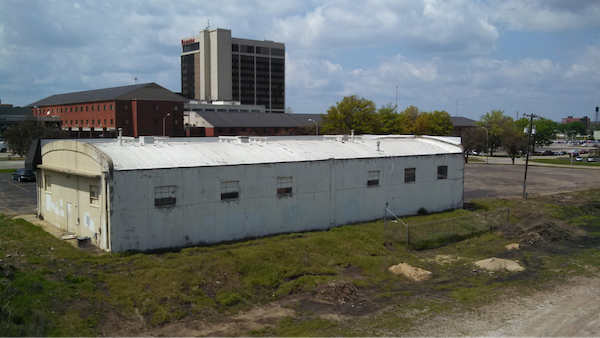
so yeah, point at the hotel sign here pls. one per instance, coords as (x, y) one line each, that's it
(187, 41)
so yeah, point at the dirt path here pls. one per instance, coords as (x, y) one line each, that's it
(566, 310)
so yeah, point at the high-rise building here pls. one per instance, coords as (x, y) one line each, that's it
(217, 67)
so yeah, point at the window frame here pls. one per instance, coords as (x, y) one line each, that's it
(94, 195)
(165, 196)
(230, 190)
(410, 175)
(285, 186)
(444, 174)
(373, 178)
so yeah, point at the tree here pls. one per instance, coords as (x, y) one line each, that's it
(18, 137)
(572, 129)
(352, 113)
(472, 139)
(390, 120)
(545, 130)
(409, 117)
(514, 141)
(495, 122)
(440, 124)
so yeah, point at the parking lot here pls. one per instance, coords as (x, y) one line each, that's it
(481, 181)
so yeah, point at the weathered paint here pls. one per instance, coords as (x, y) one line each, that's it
(326, 192)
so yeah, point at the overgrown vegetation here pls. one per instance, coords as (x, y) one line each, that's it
(48, 287)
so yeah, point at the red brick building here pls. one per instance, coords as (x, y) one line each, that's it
(144, 109)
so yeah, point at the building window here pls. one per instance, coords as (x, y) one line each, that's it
(94, 195)
(111, 107)
(165, 195)
(126, 121)
(230, 190)
(92, 107)
(47, 183)
(125, 107)
(284, 186)
(104, 121)
(156, 107)
(111, 122)
(442, 172)
(98, 107)
(409, 175)
(373, 178)
(175, 108)
(92, 122)
(101, 123)
(76, 109)
(87, 122)
(104, 107)
(87, 108)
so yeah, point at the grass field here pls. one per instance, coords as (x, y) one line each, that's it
(50, 288)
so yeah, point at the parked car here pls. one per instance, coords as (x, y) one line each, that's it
(3, 147)
(590, 159)
(578, 159)
(23, 175)
(548, 152)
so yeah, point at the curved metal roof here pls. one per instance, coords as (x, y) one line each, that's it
(134, 155)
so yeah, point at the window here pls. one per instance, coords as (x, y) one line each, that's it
(175, 108)
(87, 108)
(47, 183)
(165, 195)
(92, 108)
(76, 109)
(230, 190)
(409, 175)
(111, 107)
(87, 122)
(104, 121)
(111, 122)
(125, 107)
(94, 195)
(373, 178)
(99, 108)
(284, 186)
(93, 122)
(156, 107)
(104, 107)
(126, 121)
(101, 123)
(442, 172)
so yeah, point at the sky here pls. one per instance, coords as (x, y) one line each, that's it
(467, 57)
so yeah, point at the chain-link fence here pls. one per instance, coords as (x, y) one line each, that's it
(437, 233)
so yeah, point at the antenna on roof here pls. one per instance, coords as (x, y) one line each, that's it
(207, 24)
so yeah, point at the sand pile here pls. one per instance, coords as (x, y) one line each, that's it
(410, 272)
(499, 264)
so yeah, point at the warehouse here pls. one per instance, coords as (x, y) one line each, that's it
(151, 193)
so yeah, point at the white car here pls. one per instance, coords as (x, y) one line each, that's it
(590, 159)
(578, 159)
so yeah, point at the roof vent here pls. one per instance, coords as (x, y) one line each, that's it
(146, 140)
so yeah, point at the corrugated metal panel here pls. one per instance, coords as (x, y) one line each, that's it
(258, 120)
(133, 155)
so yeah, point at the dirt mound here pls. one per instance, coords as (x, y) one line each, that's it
(499, 264)
(416, 274)
(338, 292)
(541, 231)
(512, 246)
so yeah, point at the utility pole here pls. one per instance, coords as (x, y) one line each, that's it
(529, 132)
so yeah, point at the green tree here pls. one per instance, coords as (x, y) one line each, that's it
(18, 137)
(440, 124)
(352, 113)
(496, 123)
(390, 120)
(545, 130)
(408, 118)
(572, 129)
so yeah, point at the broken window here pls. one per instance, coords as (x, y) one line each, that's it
(165, 195)
(284, 186)
(94, 195)
(373, 178)
(230, 190)
(409, 175)
(442, 172)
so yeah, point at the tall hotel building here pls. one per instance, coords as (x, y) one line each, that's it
(217, 67)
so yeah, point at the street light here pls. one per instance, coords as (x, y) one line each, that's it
(529, 131)
(487, 137)
(316, 125)
(164, 118)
